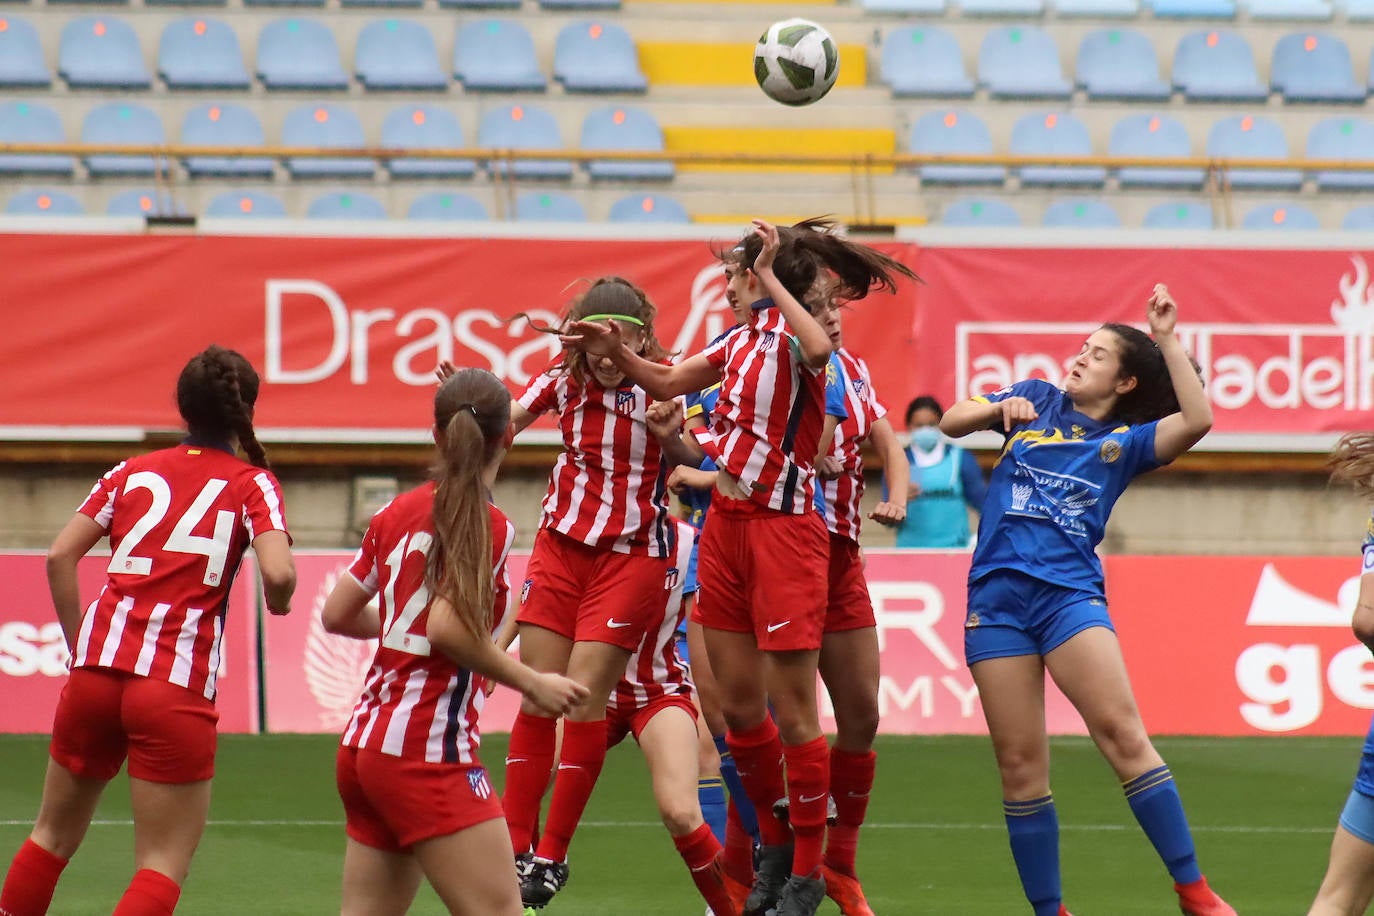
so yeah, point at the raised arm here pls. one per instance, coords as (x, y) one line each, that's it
(815, 343)
(663, 383)
(1180, 431)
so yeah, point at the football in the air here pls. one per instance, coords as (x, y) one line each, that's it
(796, 62)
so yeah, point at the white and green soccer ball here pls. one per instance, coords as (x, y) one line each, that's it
(796, 62)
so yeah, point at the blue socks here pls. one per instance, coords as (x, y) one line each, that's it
(730, 776)
(711, 796)
(1154, 801)
(1033, 828)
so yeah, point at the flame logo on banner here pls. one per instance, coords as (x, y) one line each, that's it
(1354, 311)
(710, 314)
(335, 666)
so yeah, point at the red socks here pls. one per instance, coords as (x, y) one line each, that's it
(528, 763)
(700, 850)
(150, 894)
(758, 758)
(808, 787)
(851, 781)
(738, 858)
(32, 877)
(584, 751)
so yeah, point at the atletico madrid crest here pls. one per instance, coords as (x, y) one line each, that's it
(625, 402)
(478, 782)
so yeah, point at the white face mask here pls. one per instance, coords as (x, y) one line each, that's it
(926, 438)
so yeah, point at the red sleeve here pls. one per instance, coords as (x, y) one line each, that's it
(718, 351)
(877, 409)
(502, 540)
(541, 395)
(364, 566)
(99, 505)
(263, 506)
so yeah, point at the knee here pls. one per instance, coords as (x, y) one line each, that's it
(708, 761)
(680, 816)
(1025, 771)
(1123, 740)
(856, 724)
(62, 844)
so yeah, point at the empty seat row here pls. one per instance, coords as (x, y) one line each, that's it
(1292, 10)
(103, 52)
(1020, 62)
(406, 127)
(552, 5)
(1092, 213)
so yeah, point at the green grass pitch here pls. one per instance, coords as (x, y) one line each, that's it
(1262, 810)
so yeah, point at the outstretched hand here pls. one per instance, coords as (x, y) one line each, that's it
(1162, 311)
(768, 233)
(445, 371)
(593, 337)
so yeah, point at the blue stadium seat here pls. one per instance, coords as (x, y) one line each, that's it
(548, 206)
(398, 54)
(388, 4)
(1098, 9)
(1193, 9)
(446, 205)
(1217, 65)
(972, 211)
(479, 4)
(1001, 7)
(938, 132)
(21, 56)
(30, 122)
(1282, 217)
(1081, 213)
(1349, 139)
(1306, 10)
(1054, 134)
(43, 202)
(425, 127)
(345, 205)
(224, 124)
(299, 54)
(924, 61)
(101, 52)
(1179, 214)
(1357, 10)
(1251, 137)
(1120, 64)
(1360, 219)
(183, 2)
(624, 128)
(122, 123)
(523, 127)
(143, 202)
(326, 126)
(1314, 67)
(648, 208)
(597, 57)
(557, 5)
(199, 53)
(905, 7)
(1153, 135)
(1021, 62)
(496, 55)
(245, 205)
(282, 2)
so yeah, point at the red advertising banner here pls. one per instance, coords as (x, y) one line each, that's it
(33, 655)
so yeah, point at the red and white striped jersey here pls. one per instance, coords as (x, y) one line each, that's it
(766, 425)
(656, 670)
(416, 702)
(609, 486)
(844, 494)
(179, 520)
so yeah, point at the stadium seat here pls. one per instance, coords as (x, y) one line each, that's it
(101, 52)
(43, 202)
(1098, 9)
(1179, 214)
(283, 2)
(21, 56)
(143, 202)
(245, 205)
(479, 4)
(1120, 64)
(624, 128)
(924, 61)
(1306, 10)
(1349, 139)
(345, 205)
(597, 57)
(1217, 65)
(398, 54)
(326, 126)
(299, 54)
(122, 123)
(1153, 135)
(938, 132)
(971, 211)
(425, 127)
(648, 208)
(1283, 217)
(1021, 62)
(1193, 9)
(1360, 219)
(1357, 10)
(1054, 134)
(523, 127)
(1081, 213)
(557, 5)
(224, 124)
(388, 4)
(1251, 137)
(1314, 67)
(905, 7)
(30, 122)
(548, 206)
(198, 53)
(496, 55)
(183, 2)
(447, 205)
(1001, 7)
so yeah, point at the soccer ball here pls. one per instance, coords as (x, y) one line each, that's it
(796, 62)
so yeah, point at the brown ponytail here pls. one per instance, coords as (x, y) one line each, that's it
(1352, 462)
(215, 395)
(606, 296)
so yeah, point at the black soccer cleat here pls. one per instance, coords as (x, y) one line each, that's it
(782, 810)
(801, 896)
(773, 870)
(541, 880)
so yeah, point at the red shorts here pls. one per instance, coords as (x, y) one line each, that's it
(392, 803)
(849, 606)
(759, 574)
(166, 731)
(588, 594)
(631, 720)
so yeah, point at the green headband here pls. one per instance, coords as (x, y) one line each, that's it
(630, 319)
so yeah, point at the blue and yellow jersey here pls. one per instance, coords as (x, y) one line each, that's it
(1368, 551)
(1053, 488)
(699, 404)
(835, 406)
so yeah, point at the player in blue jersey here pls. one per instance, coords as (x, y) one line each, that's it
(1348, 886)
(1036, 599)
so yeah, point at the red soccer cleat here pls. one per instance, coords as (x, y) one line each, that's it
(846, 891)
(1063, 911)
(1197, 899)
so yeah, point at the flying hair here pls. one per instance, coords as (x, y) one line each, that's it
(216, 392)
(1153, 396)
(606, 298)
(1352, 462)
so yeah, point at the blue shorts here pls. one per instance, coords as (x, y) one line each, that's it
(1011, 613)
(1364, 777)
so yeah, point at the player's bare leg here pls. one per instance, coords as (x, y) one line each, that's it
(470, 870)
(64, 815)
(377, 882)
(1348, 886)
(169, 820)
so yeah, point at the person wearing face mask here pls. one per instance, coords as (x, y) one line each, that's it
(944, 480)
